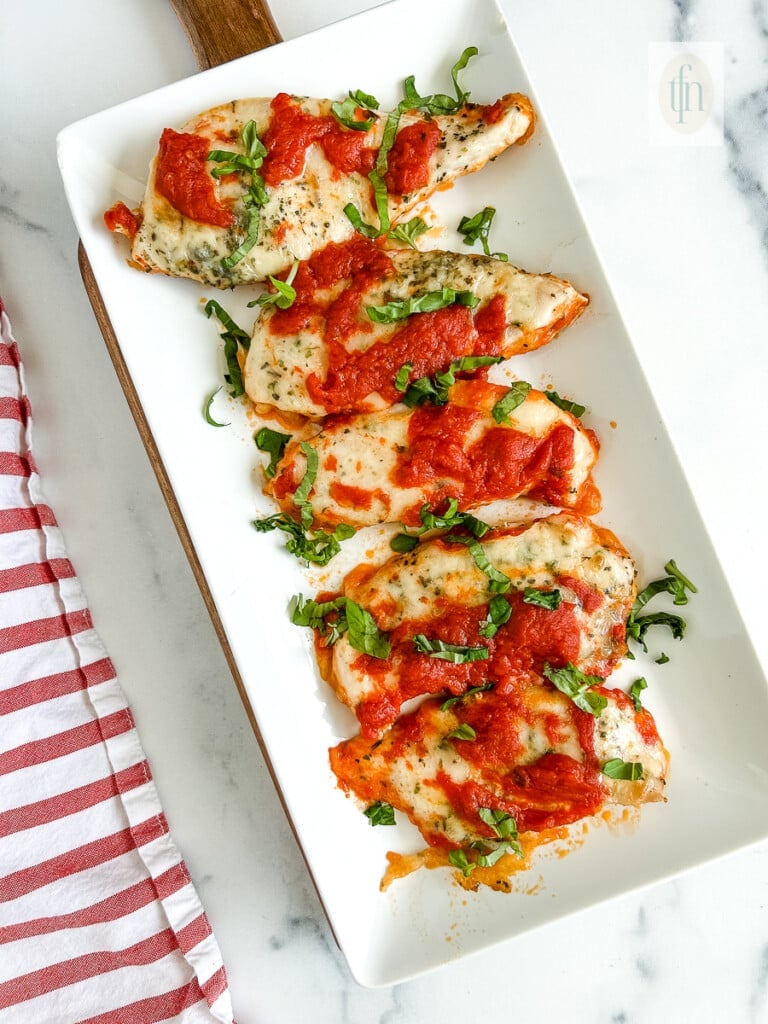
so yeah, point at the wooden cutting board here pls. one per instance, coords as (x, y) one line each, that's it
(219, 32)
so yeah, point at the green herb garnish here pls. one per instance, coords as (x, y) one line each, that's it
(516, 395)
(380, 813)
(565, 404)
(478, 227)
(618, 769)
(346, 112)
(635, 690)
(427, 302)
(462, 732)
(469, 693)
(676, 584)
(317, 547)
(207, 410)
(499, 612)
(256, 196)
(272, 442)
(409, 231)
(284, 295)
(233, 337)
(549, 599)
(455, 653)
(435, 389)
(576, 685)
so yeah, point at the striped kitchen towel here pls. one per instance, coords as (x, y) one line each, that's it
(99, 921)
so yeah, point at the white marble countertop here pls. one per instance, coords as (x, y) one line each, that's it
(683, 232)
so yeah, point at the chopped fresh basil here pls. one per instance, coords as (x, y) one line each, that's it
(439, 103)
(380, 813)
(662, 659)
(469, 693)
(435, 389)
(565, 404)
(478, 227)
(301, 494)
(451, 519)
(356, 219)
(549, 599)
(233, 337)
(498, 582)
(462, 732)
(365, 100)
(409, 231)
(256, 196)
(307, 612)
(402, 543)
(346, 113)
(455, 653)
(635, 690)
(503, 825)
(376, 178)
(284, 295)
(272, 442)
(576, 685)
(618, 769)
(363, 634)
(427, 302)
(487, 860)
(677, 585)
(401, 380)
(207, 410)
(516, 395)
(499, 612)
(318, 547)
(458, 859)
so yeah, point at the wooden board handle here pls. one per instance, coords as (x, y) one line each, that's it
(221, 30)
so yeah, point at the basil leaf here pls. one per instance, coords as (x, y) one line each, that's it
(682, 583)
(662, 659)
(618, 769)
(635, 690)
(451, 519)
(409, 231)
(284, 296)
(380, 813)
(212, 307)
(272, 442)
(478, 228)
(516, 395)
(376, 178)
(427, 302)
(469, 693)
(565, 404)
(401, 380)
(234, 375)
(549, 599)
(207, 410)
(364, 635)
(455, 653)
(318, 547)
(487, 860)
(435, 389)
(256, 196)
(576, 685)
(307, 612)
(365, 100)
(402, 543)
(499, 583)
(462, 95)
(301, 494)
(502, 824)
(462, 732)
(499, 612)
(638, 626)
(346, 114)
(356, 219)
(458, 859)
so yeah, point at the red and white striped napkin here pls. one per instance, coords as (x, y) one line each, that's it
(99, 921)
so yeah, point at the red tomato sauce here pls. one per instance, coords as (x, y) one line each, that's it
(428, 340)
(502, 463)
(349, 496)
(122, 220)
(531, 637)
(644, 720)
(182, 178)
(408, 159)
(292, 131)
(590, 598)
(555, 790)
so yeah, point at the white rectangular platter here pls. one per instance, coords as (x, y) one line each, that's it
(710, 700)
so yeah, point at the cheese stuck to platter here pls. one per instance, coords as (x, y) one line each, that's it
(367, 323)
(488, 442)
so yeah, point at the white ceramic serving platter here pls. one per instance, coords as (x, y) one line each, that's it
(710, 700)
